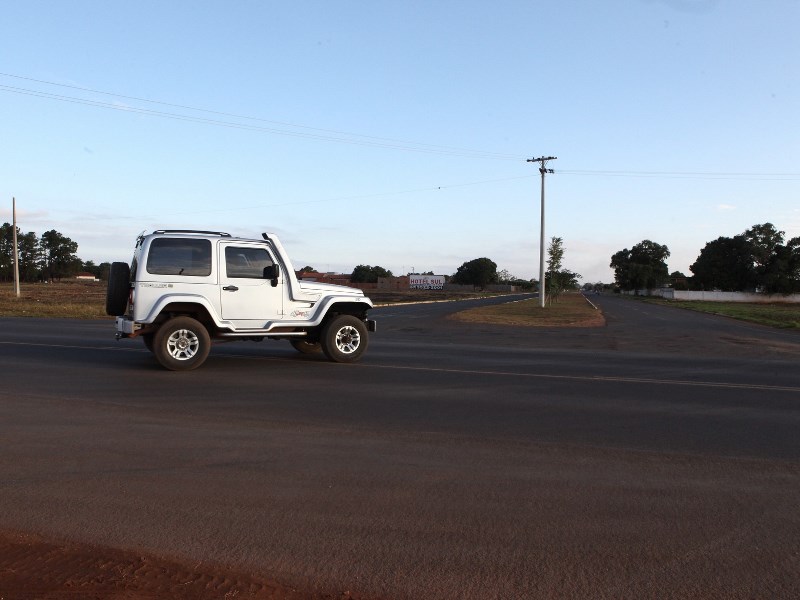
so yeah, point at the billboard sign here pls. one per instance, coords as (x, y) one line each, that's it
(426, 282)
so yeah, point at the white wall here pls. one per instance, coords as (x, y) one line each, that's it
(671, 294)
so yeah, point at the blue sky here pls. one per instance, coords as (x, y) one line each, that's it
(397, 133)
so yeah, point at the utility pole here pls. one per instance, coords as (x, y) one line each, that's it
(542, 160)
(16, 248)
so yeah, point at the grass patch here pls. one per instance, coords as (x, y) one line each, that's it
(782, 315)
(86, 299)
(67, 299)
(571, 310)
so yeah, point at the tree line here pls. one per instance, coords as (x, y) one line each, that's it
(482, 272)
(756, 260)
(479, 272)
(53, 256)
(50, 257)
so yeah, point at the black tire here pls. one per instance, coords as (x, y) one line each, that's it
(147, 338)
(344, 339)
(306, 347)
(119, 285)
(181, 344)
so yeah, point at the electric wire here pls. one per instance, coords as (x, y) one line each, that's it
(331, 135)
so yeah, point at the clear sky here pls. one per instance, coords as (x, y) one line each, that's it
(396, 133)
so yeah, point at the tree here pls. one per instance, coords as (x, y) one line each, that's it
(308, 269)
(679, 280)
(29, 256)
(479, 272)
(505, 276)
(58, 254)
(764, 240)
(725, 264)
(559, 281)
(781, 275)
(104, 268)
(757, 259)
(642, 267)
(555, 254)
(554, 281)
(368, 274)
(6, 252)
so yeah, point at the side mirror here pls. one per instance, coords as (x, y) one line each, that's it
(272, 272)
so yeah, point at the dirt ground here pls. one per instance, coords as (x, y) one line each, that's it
(32, 568)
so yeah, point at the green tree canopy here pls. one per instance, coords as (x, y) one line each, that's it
(368, 274)
(725, 264)
(642, 267)
(757, 259)
(558, 279)
(59, 255)
(479, 272)
(7, 251)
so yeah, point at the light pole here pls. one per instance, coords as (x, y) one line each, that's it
(542, 160)
(16, 248)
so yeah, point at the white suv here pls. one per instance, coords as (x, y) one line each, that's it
(186, 288)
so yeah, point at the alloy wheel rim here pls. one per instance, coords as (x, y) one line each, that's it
(348, 339)
(183, 344)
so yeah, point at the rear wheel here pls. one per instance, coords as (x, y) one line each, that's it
(119, 285)
(181, 344)
(147, 338)
(344, 338)
(306, 347)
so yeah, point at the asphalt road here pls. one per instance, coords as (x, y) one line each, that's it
(655, 457)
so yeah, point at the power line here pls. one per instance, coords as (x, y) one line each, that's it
(337, 136)
(324, 134)
(687, 175)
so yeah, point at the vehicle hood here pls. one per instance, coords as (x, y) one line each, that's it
(314, 288)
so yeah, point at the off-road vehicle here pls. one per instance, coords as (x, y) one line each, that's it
(185, 289)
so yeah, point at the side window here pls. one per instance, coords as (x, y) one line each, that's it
(179, 256)
(246, 262)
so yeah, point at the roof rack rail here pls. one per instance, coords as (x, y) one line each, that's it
(219, 233)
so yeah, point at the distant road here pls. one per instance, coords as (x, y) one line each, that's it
(655, 457)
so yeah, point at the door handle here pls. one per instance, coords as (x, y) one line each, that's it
(231, 288)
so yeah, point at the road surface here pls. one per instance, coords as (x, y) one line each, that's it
(655, 457)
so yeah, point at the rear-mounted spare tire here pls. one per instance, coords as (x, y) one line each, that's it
(119, 285)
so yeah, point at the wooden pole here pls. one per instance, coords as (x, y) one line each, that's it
(16, 248)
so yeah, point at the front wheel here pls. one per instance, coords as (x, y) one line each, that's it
(344, 338)
(181, 344)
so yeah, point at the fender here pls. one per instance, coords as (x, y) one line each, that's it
(322, 307)
(198, 299)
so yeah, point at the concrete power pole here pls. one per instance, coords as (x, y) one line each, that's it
(16, 248)
(542, 160)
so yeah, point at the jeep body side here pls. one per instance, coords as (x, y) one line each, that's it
(184, 289)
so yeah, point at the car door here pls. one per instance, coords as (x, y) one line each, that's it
(247, 298)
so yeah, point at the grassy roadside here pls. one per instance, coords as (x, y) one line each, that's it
(86, 300)
(571, 310)
(784, 316)
(69, 299)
